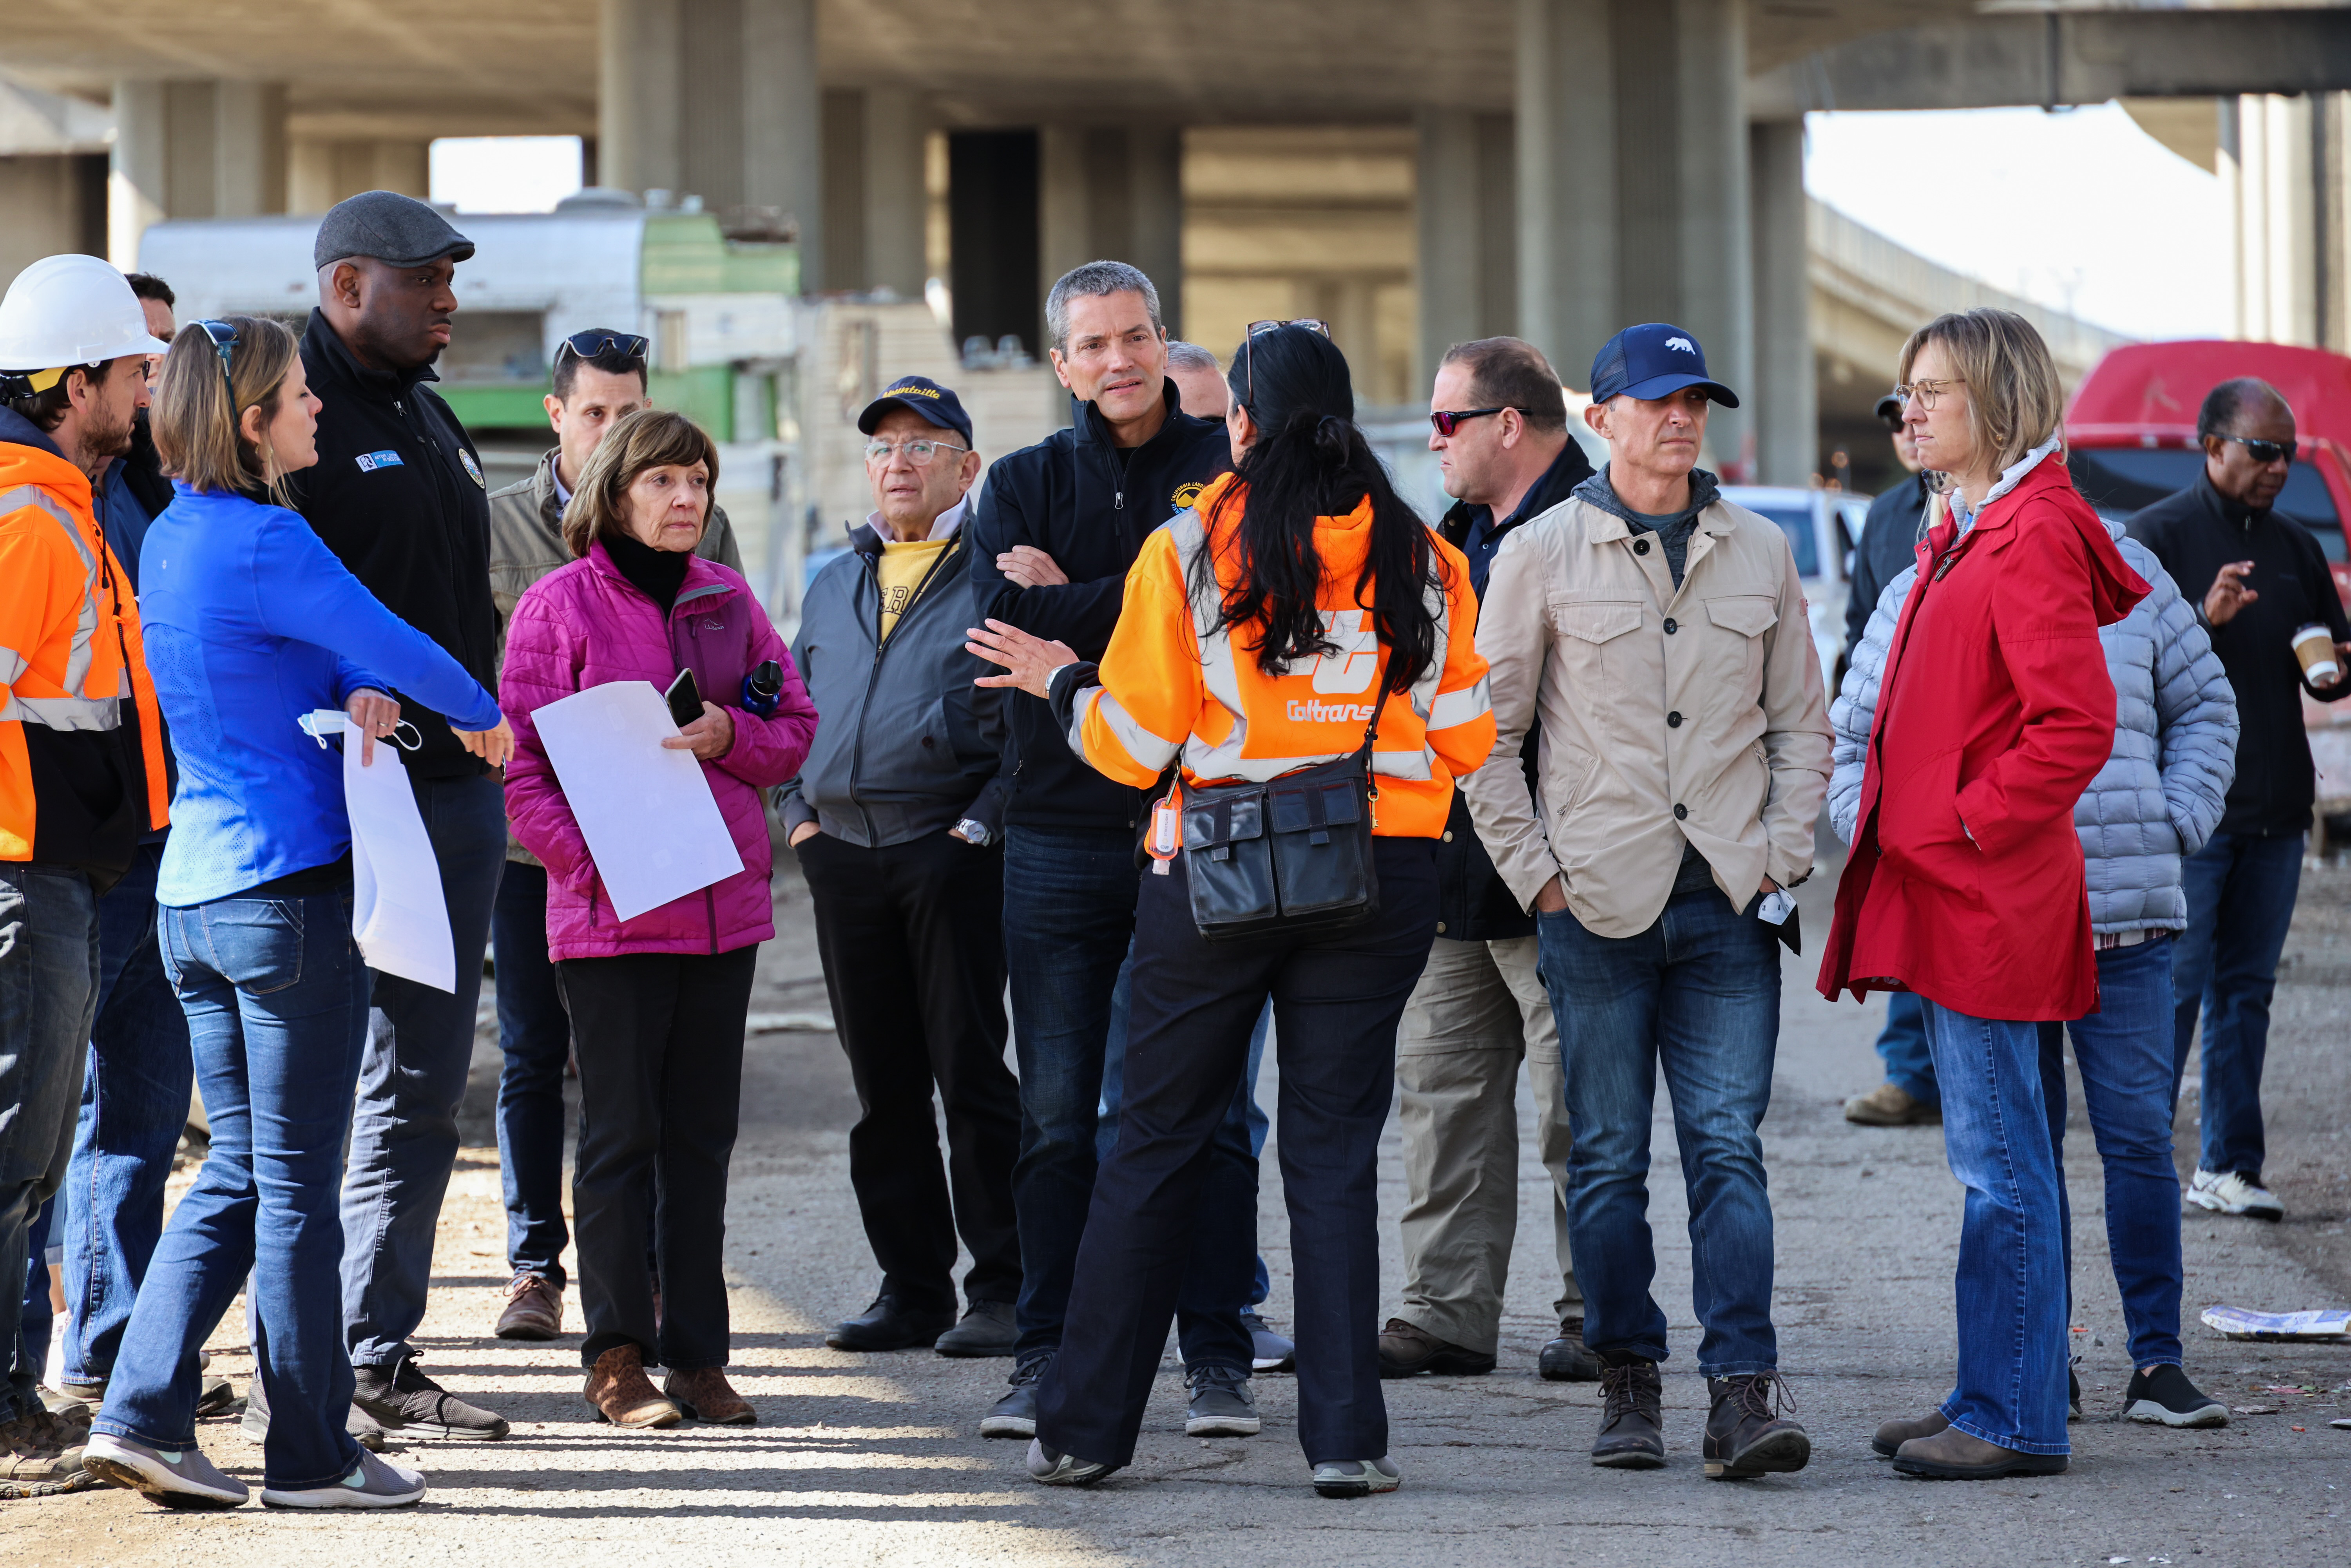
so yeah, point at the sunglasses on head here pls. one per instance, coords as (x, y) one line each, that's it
(1448, 420)
(588, 345)
(2264, 451)
(1248, 340)
(223, 340)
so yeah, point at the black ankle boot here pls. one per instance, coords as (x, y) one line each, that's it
(1746, 1435)
(1632, 1422)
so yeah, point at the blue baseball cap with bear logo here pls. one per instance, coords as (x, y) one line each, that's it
(1651, 362)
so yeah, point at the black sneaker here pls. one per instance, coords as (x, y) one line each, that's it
(1221, 1405)
(1015, 1414)
(2073, 1395)
(405, 1400)
(1632, 1418)
(2166, 1397)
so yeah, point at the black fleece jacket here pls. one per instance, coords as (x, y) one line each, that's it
(398, 494)
(1071, 497)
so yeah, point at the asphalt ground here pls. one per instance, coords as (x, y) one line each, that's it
(862, 1459)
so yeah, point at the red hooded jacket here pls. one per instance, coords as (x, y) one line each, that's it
(1966, 882)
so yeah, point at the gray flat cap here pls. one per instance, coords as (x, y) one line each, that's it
(390, 228)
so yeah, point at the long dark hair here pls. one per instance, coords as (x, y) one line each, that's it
(1310, 461)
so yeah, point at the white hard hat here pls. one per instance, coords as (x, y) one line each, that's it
(66, 310)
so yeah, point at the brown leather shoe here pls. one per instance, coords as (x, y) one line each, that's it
(1890, 1105)
(534, 1309)
(1894, 1434)
(1407, 1349)
(1953, 1456)
(706, 1395)
(622, 1394)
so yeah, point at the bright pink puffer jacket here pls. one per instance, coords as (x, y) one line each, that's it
(584, 625)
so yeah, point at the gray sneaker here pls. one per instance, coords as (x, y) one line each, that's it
(1269, 1351)
(1221, 1405)
(1047, 1468)
(372, 1483)
(176, 1478)
(1015, 1414)
(254, 1424)
(1356, 1477)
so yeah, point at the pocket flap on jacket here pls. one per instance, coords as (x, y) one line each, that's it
(1599, 622)
(1749, 614)
(1212, 824)
(1313, 807)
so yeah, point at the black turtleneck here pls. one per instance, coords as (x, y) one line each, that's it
(657, 574)
(2193, 534)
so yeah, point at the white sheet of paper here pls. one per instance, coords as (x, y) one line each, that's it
(652, 827)
(399, 918)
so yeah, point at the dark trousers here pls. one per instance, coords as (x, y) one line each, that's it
(1069, 916)
(912, 943)
(535, 1040)
(1337, 999)
(661, 1081)
(2240, 892)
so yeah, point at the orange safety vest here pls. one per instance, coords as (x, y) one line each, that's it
(69, 643)
(1174, 684)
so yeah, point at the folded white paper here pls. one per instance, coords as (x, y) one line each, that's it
(398, 916)
(652, 827)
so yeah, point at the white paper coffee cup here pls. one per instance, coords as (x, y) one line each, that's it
(2314, 645)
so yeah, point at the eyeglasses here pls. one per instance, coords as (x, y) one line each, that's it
(1927, 392)
(918, 453)
(1448, 420)
(223, 338)
(2264, 451)
(1249, 345)
(589, 344)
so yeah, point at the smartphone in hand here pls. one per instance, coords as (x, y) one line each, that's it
(685, 699)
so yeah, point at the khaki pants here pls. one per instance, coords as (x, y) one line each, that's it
(1478, 1011)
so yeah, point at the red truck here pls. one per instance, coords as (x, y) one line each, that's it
(2130, 433)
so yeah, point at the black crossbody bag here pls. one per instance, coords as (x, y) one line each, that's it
(1291, 855)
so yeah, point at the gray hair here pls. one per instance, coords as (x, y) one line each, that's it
(1184, 356)
(1091, 281)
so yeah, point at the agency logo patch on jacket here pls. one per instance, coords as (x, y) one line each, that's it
(472, 467)
(370, 462)
(1186, 496)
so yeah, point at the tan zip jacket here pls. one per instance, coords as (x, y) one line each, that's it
(1668, 715)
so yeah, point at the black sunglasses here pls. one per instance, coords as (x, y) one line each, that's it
(589, 344)
(1248, 351)
(1448, 420)
(223, 338)
(2264, 451)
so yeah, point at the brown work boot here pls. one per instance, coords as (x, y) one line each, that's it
(1952, 1456)
(1747, 1435)
(1890, 1105)
(622, 1394)
(706, 1395)
(1892, 1435)
(1407, 1349)
(40, 1452)
(1632, 1414)
(534, 1309)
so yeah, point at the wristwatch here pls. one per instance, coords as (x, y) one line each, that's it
(973, 831)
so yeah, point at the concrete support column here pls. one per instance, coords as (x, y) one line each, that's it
(1114, 194)
(248, 149)
(2267, 146)
(135, 176)
(1714, 230)
(1155, 197)
(1064, 212)
(897, 197)
(1786, 392)
(1466, 197)
(782, 153)
(1567, 217)
(640, 106)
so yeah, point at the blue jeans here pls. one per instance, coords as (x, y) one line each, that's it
(49, 991)
(420, 1042)
(1909, 1066)
(134, 1104)
(38, 1319)
(1068, 919)
(276, 998)
(1244, 1124)
(535, 1038)
(1699, 994)
(2124, 1052)
(2012, 1272)
(2241, 893)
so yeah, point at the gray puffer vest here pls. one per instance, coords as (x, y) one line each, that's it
(2160, 794)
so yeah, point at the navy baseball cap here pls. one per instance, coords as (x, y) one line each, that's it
(1651, 362)
(936, 404)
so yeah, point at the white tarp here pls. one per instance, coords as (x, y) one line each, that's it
(652, 827)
